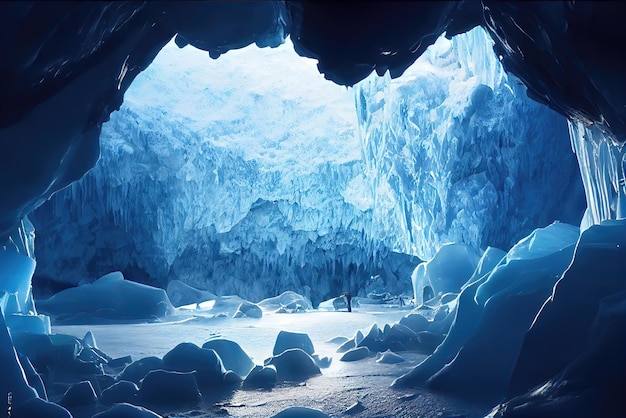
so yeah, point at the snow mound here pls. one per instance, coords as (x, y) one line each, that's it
(110, 297)
(248, 310)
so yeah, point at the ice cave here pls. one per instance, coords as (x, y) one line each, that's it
(312, 209)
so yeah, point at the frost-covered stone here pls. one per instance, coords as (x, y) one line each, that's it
(79, 394)
(286, 340)
(167, 388)
(232, 355)
(261, 377)
(36, 407)
(125, 410)
(355, 354)
(120, 392)
(138, 369)
(293, 364)
(389, 357)
(188, 357)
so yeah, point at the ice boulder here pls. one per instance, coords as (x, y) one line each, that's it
(125, 410)
(181, 294)
(355, 354)
(286, 340)
(446, 272)
(111, 297)
(388, 357)
(287, 302)
(261, 377)
(248, 310)
(188, 357)
(293, 364)
(137, 370)
(232, 356)
(36, 407)
(167, 388)
(80, 399)
(119, 392)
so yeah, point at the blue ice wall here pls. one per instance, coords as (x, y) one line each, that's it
(258, 178)
(463, 153)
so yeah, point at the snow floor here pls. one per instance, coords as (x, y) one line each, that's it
(338, 388)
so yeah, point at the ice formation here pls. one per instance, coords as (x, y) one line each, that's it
(110, 297)
(259, 181)
(64, 70)
(229, 201)
(457, 147)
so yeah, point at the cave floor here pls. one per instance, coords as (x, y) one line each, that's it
(340, 386)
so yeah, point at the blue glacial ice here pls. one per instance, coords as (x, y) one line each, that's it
(242, 179)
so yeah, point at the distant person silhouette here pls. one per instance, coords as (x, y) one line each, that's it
(349, 300)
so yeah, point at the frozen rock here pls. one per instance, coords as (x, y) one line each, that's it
(389, 357)
(337, 340)
(293, 364)
(188, 357)
(79, 395)
(110, 297)
(232, 356)
(322, 362)
(167, 388)
(36, 407)
(356, 354)
(125, 410)
(347, 345)
(261, 377)
(138, 369)
(286, 340)
(415, 322)
(248, 310)
(122, 391)
(181, 294)
(300, 412)
(399, 333)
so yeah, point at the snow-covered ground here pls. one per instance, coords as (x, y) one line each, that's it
(338, 388)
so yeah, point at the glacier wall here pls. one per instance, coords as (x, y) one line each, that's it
(219, 172)
(462, 153)
(233, 178)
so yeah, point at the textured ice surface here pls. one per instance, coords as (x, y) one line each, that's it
(493, 313)
(458, 148)
(251, 179)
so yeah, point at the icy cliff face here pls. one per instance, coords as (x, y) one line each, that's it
(216, 173)
(232, 177)
(463, 153)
